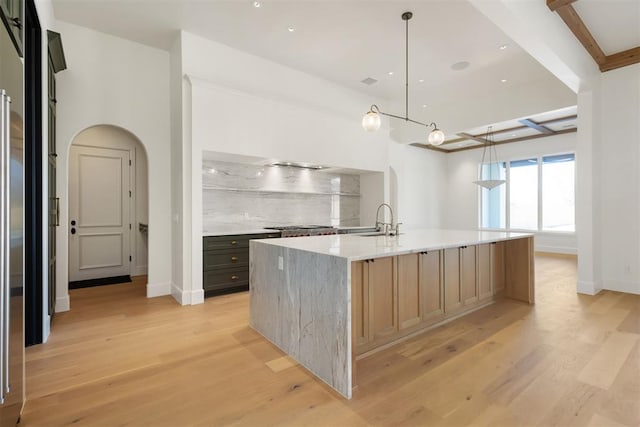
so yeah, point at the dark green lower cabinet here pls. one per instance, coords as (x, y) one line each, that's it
(225, 262)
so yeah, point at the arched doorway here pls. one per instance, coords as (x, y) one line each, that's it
(108, 207)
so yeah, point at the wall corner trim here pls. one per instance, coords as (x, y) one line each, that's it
(588, 288)
(63, 304)
(158, 289)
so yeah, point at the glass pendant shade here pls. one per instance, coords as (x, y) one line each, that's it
(492, 179)
(436, 137)
(371, 121)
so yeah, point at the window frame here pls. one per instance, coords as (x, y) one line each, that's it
(539, 163)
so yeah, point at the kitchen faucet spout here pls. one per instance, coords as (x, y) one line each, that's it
(386, 225)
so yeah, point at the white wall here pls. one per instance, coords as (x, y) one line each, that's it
(619, 179)
(421, 186)
(176, 89)
(462, 199)
(116, 138)
(114, 81)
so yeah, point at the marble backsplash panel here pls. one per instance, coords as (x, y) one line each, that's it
(253, 196)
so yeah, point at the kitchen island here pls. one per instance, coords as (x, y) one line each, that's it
(327, 300)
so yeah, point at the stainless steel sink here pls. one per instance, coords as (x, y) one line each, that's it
(377, 233)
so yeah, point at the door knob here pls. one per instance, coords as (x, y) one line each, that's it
(73, 230)
(73, 222)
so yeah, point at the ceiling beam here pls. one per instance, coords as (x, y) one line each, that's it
(558, 120)
(533, 125)
(580, 30)
(621, 59)
(553, 5)
(519, 139)
(472, 137)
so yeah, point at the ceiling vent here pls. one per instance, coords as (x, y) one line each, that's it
(369, 81)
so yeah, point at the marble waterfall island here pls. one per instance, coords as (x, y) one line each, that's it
(326, 300)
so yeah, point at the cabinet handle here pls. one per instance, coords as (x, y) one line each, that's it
(234, 277)
(233, 242)
(234, 258)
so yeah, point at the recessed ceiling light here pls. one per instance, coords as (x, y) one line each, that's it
(460, 65)
(291, 29)
(503, 80)
(513, 134)
(390, 73)
(421, 81)
(424, 105)
(503, 46)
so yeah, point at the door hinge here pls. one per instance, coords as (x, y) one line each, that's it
(129, 162)
(129, 258)
(129, 226)
(129, 193)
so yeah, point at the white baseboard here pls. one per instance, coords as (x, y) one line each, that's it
(158, 289)
(63, 304)
(588, 288)
(140, 270)
(556, 250)
(187, 297)
(197, 297)
(626, 287)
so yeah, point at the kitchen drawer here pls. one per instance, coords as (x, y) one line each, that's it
(229, 278)
(225, 258)
(234, 241)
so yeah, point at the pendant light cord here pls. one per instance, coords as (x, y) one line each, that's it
(406, 72)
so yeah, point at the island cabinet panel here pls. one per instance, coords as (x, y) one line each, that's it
(383, 297)
(409, 291)
(452, 294)
(468, 282)
(360, 297)
(431, 285)
(519, 271)
(498, 267)
(485, 270)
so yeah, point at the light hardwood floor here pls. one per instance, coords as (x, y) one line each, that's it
(120, 359)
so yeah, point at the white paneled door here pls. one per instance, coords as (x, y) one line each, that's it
(99, 213)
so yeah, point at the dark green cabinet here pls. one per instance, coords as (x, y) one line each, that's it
(225, 262)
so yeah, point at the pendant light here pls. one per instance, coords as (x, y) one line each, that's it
(371, 121)
(489, 145)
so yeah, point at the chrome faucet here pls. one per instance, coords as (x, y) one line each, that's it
(386, 226)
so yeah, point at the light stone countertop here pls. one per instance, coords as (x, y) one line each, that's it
(356, 247)
(236, 231)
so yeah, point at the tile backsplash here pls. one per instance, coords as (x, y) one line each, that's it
(251, 196)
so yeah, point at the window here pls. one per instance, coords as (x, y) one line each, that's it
(539, 194)
(558, 193)
(523, 194)
(494, 214)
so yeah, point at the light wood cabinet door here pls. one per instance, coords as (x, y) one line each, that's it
(484, 268)
(431, 285)
(409, 291)
(452, 295)
(383, 298)
(468, 283)
(498, 272)
(360, 305)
